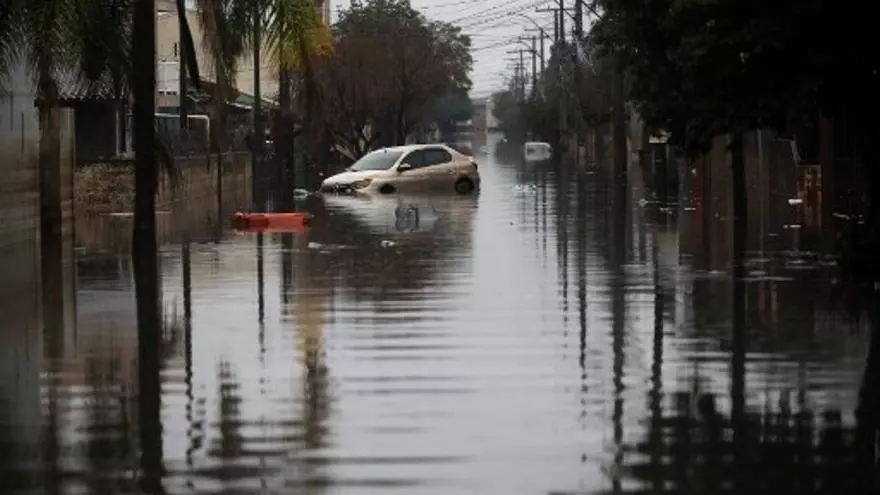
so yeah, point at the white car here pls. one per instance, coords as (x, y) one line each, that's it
(537, 151)
(413, 168)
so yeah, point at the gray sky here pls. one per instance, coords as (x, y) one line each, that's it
(493, 26)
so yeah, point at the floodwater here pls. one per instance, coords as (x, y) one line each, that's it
(546, 336)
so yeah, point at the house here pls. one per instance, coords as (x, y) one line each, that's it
(103, 124)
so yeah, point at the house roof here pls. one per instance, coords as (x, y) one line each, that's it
(74, 89)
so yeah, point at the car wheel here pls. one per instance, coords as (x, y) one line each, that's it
(386, 189)
(464, 186)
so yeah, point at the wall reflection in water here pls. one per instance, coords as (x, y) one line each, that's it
(550, 334)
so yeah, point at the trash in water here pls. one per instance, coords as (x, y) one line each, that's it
(386, 243)
(301, 193)
(525, 188)
(795, 201)
(327, 247)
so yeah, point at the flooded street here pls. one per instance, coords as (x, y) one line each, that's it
(536, 338)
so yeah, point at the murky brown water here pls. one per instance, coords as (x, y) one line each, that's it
(536, 339)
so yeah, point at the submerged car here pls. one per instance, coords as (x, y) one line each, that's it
(413, 168)
(537, 151)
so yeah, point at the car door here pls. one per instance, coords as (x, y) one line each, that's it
(412, 179)
(439, 170)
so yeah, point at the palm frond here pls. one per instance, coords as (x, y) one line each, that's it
(294, 31)
(187, 46)
(226, 26)
(9, 23)
(102, 30)
(48, 40)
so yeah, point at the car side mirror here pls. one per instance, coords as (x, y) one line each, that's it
(403, 167)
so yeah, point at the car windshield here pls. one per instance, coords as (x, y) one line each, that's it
(377, 160)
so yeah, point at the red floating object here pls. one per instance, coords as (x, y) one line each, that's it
(272, 222)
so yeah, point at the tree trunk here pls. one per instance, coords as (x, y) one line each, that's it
(740, 200)
(144, 243)
(619, 129)
(283, 134)
(259, 129)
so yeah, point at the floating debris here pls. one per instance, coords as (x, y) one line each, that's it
(525, 188)
(327, 247)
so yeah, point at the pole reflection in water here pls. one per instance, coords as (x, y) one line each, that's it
(186, 262)
(656, 393)
(149, 331)
(618, 280)
(261, 289)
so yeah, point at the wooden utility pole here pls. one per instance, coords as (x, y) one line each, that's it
(534, 66)
(561, 66)
(181, 69)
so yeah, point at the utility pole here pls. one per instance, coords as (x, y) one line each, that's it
(559, 23)
(579, 20)
(543, 64)
(534, 66)
(182, 72)
(555, 24)
(518, 74)
(562, 21)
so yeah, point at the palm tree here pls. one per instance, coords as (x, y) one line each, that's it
(296, 34)
(288, 31)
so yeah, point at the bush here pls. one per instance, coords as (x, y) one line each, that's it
(103, 188)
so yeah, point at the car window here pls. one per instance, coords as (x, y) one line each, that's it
(436, 156)
(377, 160)
(416, 159)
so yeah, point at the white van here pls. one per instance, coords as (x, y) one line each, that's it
(537, 151)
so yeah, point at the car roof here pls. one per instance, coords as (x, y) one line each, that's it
(414, 147)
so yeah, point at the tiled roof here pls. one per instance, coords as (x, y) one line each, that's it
(72, 89)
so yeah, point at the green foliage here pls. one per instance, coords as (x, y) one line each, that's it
(451, 108)
(90, 39)
(7, 37)
(699, 68)
(390, 67)
(296, 32)
(509, 114)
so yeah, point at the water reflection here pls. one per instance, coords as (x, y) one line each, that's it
(550, 334)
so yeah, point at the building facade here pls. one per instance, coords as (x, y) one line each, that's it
(168, 56)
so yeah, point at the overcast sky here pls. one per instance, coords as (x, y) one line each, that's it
(493, 26)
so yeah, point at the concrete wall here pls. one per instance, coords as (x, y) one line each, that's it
(192, 204)
(20, 343)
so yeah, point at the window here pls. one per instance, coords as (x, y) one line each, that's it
(377, 160)
(436, 156)
(428, 157)
(416, 159)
